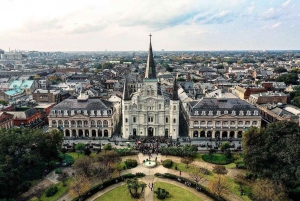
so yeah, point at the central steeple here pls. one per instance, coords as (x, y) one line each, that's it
(150, 68)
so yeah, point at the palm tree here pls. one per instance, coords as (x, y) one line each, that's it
(133, 186)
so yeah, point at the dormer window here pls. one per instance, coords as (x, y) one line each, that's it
(233, 113)
(92, 112)
(225, 112)
(203, 113)
(105, 112)
(255, 112)
(53, 112)
(241, 113)
(72, 112)
(210, 113)
(78, 111)
(98, 113)
(66, 112)
(248, 112)
(218, 112)
(196, 113)
(85, 112)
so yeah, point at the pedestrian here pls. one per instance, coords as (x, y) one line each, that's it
(152, 185)
(149, 185)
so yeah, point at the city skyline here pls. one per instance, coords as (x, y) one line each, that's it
(125, 25)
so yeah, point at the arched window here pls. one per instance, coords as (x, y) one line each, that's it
(73, 123)
(134, 119)
(54, 123)
(167, 120)
(105, 123)
(66, 123)
(86, 123)
(126, 120)
(99, 123)
(93, 123)
(174, 120)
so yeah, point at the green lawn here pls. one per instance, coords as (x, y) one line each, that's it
(176, 193)
(120, 193)
(180, 166)
(61, 191)
(234, 187)
(198, 157)
(219, 159)
(74, 155)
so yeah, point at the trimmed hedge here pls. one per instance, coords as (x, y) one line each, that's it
(108, 183)
(167, 163)
(51, 191)
(193, 184)
(131, 163)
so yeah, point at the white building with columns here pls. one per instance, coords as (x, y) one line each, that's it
(85, 117)
(150, 111)
(219, 117)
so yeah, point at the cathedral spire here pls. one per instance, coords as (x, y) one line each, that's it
(125, 91)
(175, 90)
(150, 68)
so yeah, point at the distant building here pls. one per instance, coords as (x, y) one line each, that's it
(269, 97)
(245, 92)
(49, 96)
(6, 120)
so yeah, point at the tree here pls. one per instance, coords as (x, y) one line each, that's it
(296, 101)
(83, 165)
(107, 147)
(63, 177)
(108, 158)
(196, 174)
(80, 147)
(187, 160)
(267, 190)
(289, 78)
(218, 185)
(21, 151)
(220, 169)
(101, 171)
(274, 153)
(79, 185)
(87, 151)
(280, 70)
(133, 186)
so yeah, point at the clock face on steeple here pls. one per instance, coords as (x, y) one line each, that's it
(150, 101)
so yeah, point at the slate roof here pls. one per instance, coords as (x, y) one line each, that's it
(214, 105)
(90, 104)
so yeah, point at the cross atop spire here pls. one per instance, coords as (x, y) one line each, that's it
(150, 37)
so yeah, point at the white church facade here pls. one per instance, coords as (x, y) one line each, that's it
(150, 111)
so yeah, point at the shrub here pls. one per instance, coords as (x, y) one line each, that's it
(167, 163)
(139, 174)
(131, 163)
(161, 193)
(51, 191)
(58, 171)
(204, 171)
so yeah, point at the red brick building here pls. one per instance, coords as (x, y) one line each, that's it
(6, 120)
(28, 118)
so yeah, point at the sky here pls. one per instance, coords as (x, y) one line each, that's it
(125, 25)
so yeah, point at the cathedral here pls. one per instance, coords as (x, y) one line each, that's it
(150, 111)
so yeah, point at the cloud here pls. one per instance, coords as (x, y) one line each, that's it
(251, 7)
(274, 26)
(87, 28)
(219, 18)
(33, 25)
(286, 3)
